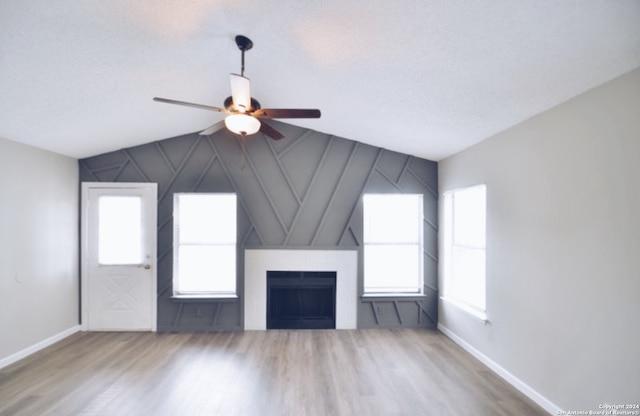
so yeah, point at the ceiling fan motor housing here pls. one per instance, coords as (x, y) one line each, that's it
(228, 104)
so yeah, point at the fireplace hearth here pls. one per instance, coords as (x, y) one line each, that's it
(301, 300)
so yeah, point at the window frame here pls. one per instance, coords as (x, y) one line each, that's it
(391, 291)
(203, 294)
(450, 288)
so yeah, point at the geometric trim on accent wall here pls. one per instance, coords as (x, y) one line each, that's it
(303, 191)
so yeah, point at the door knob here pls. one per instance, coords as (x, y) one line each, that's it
(147, 266)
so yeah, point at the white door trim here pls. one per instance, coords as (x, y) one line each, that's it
(84, 249)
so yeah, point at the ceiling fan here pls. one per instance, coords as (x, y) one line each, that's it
(244, 114)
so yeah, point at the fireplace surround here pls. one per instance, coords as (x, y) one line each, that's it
(257, 262)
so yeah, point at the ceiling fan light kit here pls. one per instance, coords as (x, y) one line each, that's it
(243, 111)
(242, 124)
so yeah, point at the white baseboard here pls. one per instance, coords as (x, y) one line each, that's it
(510, 378)
(4, 362)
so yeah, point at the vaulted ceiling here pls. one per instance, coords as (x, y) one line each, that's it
(427, 78)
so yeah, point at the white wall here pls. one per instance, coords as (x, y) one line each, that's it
(563, 249)
(38, 248)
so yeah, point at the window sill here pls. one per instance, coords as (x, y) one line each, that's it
(204, 298)
(373, 297)
(469, 310)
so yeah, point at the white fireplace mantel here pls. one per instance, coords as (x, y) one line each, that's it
(258, 262)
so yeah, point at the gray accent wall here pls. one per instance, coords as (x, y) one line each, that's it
(302, 192)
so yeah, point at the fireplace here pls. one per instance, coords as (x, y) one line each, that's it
(257, 262)
(301, 300)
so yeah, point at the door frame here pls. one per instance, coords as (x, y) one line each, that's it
(84, 246)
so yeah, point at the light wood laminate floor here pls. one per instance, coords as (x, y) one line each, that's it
(277, 372)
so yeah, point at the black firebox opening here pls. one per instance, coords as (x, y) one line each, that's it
(301, 300)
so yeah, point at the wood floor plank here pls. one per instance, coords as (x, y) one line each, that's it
(276, 372)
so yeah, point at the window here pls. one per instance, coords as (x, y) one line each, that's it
(464, 248)
(393, 243)
(204, 249)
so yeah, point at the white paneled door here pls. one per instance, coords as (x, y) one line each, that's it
(119, 256)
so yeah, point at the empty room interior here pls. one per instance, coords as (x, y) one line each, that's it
(230, 207)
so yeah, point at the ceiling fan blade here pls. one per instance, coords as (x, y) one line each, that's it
(201, 106)
(270, 131)
(240, 92)
(286, 113)
(212, 129)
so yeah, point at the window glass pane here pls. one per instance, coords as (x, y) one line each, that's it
(392, 218)
(206, 268)
(469, 212)
(393, 243)
(464, 253)
(468, 275)
(207, 218)
(119, 230)
(392, 268)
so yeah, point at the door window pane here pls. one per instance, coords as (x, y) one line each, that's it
(119, 230)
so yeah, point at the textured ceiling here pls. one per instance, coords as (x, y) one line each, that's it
(427, 78)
